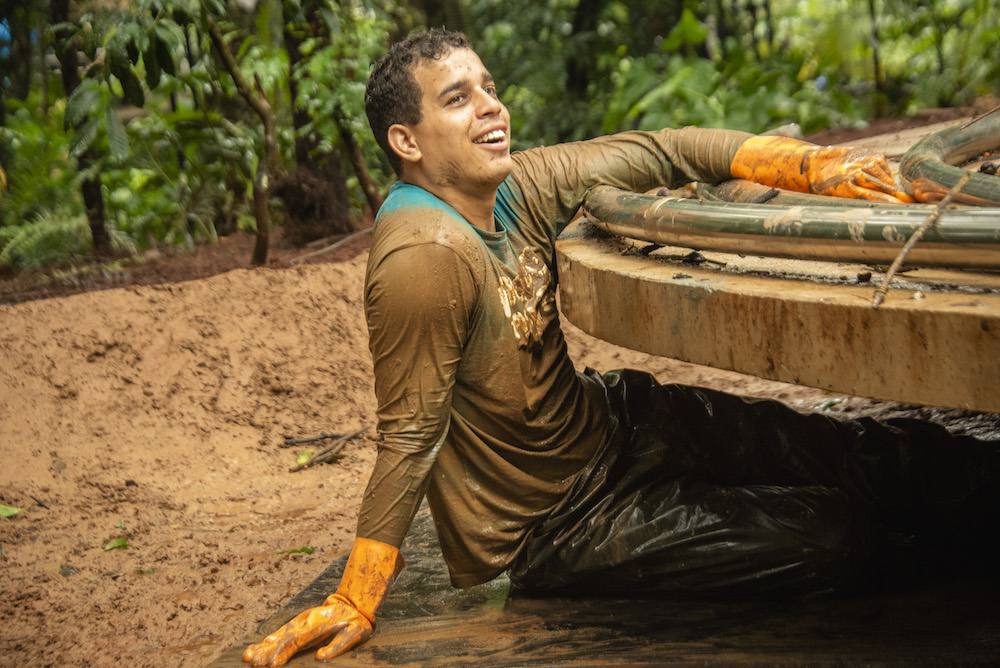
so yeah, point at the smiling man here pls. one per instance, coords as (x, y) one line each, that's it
(459, 151)
(560, 477)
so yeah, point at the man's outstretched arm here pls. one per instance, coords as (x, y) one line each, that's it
(346, 618)
(553, 180)
(837, 171)
(416, 329)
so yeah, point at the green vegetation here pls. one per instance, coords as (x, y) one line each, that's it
(120, 543)
(305, 549)
(749, 65)
(124, 125)
(8, 511)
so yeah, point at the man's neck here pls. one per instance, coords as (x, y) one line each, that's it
(476, 208)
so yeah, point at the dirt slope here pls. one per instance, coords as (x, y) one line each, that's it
(161, 409)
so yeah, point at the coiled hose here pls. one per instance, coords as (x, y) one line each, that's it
(928, 172)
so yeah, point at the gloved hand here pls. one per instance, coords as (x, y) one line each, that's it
(346, 618)
(837, 171)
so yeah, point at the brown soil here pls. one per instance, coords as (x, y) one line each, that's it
(154, 404)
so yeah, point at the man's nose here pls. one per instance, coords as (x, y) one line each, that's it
(488, 104)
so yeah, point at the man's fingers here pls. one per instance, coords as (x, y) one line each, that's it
(260, 655)
(272, 654)
(856, 191)
(343, 641)
(303, 632)
(874, 184)
(877, 167)
(925, 190)
(875, 196)
(902, 196)
(871, 178)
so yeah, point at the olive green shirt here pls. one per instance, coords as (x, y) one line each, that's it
(479, 406)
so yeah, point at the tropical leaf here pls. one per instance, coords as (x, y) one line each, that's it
(164, 42)
(117, 137)
(84, 137)
(81, 103)
(152, 64)
(116, 57)
(133, 89)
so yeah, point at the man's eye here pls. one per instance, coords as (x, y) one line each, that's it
(456, 99)
(491, 90)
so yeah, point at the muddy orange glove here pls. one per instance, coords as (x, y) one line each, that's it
(837, 171)
(345, 619)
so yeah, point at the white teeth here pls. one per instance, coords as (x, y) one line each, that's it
(495, 135)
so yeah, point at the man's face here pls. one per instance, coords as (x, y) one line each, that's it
(464, 134)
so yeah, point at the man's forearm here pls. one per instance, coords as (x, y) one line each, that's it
(396, 488)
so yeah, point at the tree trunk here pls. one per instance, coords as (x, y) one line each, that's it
(581, 60)
(43, 70)
(304, 143)
(20, 22)
(747, 7)
(365, 180)
(448, 14)
(769, 21)
(723, 21)
(876, 62)
(266, 166)
(93, 199)
(318, 176)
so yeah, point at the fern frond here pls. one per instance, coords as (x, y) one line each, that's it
(48, 240)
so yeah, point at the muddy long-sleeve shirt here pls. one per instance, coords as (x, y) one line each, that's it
(479, 406)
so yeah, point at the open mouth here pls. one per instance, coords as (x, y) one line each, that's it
(492, 137)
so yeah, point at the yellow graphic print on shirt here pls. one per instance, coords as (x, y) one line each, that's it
(528, 301)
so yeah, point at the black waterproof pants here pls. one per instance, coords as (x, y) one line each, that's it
(701, 493)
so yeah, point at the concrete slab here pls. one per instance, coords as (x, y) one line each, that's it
(425, 622)
(935, 341)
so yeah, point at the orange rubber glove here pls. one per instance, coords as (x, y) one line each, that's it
(346, 618)
(836, 171)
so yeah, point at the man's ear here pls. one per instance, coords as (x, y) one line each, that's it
(402, 141)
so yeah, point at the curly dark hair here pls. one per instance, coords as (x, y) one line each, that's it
(393, 94)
